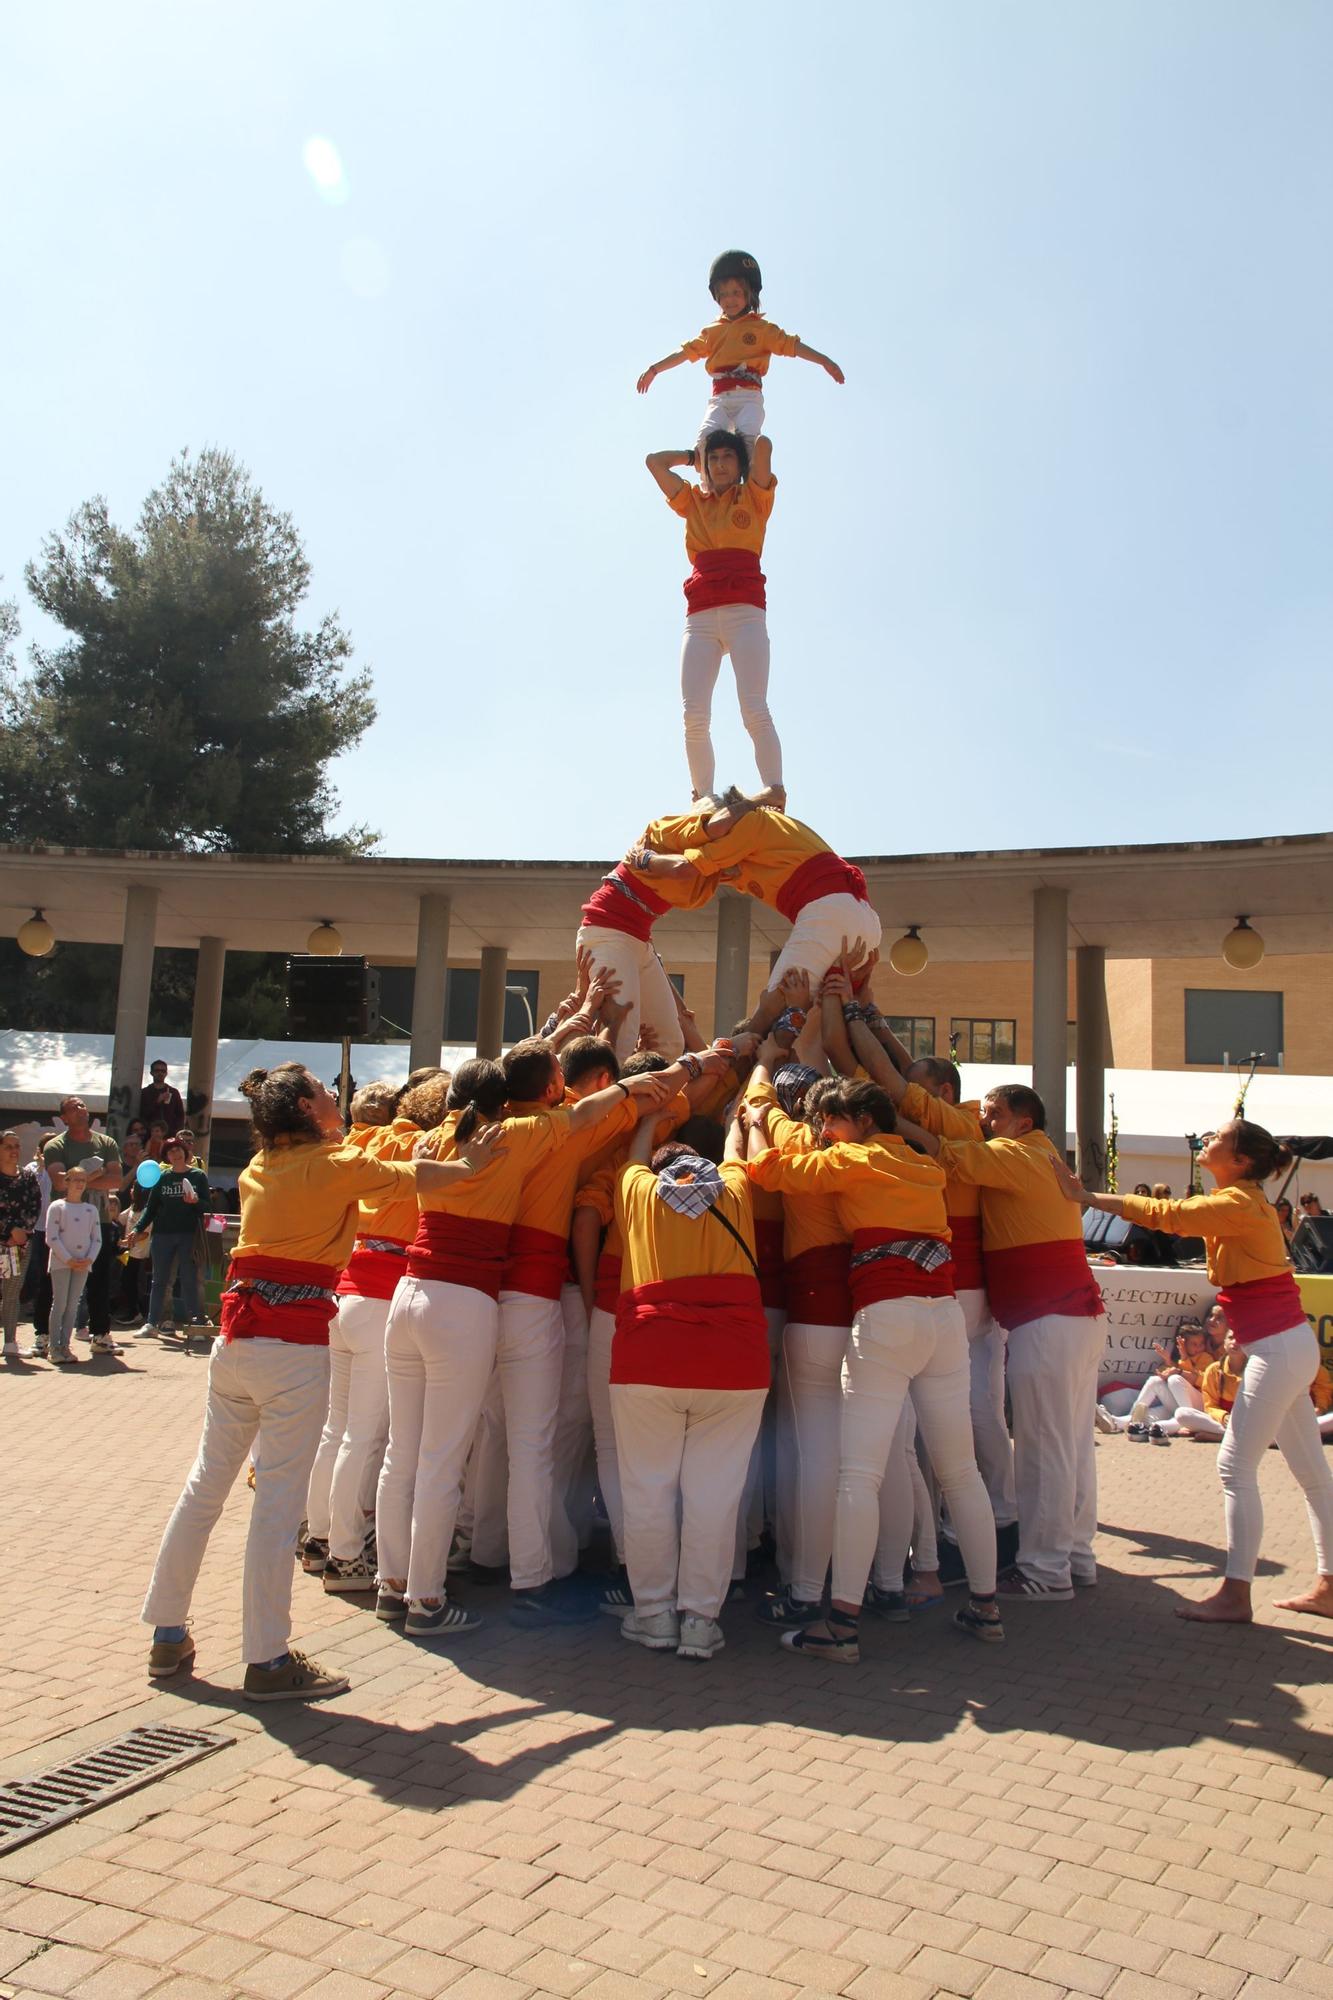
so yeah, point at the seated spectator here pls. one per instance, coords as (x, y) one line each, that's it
(1177, 1385)
(1221, 1385)
(1321, 1395)
(161, 1101)
(1286, 1218)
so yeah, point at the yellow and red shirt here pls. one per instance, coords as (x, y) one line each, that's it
(734, 349)
(783, 863)
(1221, 1385)
(1031, 1237)
(962, 1202)
(598, 1192)
(885, 1195)
(463, 1230)
(816, 1248)
(538, 1256)
(379, 1255)
(724, 539)
(1246, 1251)
(689, 1315)
(628, 900)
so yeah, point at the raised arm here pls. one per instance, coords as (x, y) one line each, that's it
(804, 353)
(761, 462)
(873, 1057)
(656, 368)
(659, 463)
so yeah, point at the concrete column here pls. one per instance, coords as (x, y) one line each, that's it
(491, 999)
(731, 985)
(136, 980)
(428, 984)
(204, 1041)
(1050, 1001)
(1090, 1055)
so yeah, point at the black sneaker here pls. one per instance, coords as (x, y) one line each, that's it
(953, 1571)
(1137, 1434)
(735, 1591)
(1156, 1435)
(888, 1604)
(353, 1575)
(784, 1609)
(549, 1604)
(426, 1621)
(390, 1606)
(617, 1598)
(314, 1555)
(980, 1624)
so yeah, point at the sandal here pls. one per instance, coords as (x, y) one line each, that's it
(845, 1651)
(988, 1629)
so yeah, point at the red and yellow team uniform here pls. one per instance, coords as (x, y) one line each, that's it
(962, 1201)
(300, 1207)
(598, 1192)
(1220, 1387)
(817, 1250)
(629, 901)
(537, 1261)
(886, 1196)
(1031, 1237)
(736, 352)
(1246, 1250)
(463, 1232)
(379, 1255)
(689, 1316)
(783, 863)
(724, 539)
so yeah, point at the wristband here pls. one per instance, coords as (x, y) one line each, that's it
(691, 1065)
(853, 1011)
(870, 1014)
(623, 1088)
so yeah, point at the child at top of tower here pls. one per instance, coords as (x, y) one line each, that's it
(735, 349)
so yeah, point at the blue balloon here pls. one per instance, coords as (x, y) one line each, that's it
(148, 1173)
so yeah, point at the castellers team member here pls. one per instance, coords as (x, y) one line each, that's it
(1247, 1261)
(907, 1335)
(736, 349)
(387, 1122)
(617, 933)
(788, 867)
(689, 1375)
(269, 1375)
(444, 1331)
(726, 518)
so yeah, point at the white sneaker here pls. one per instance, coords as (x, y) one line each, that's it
(1104, 1422)
(700, 1638)
(659, 1631)
(147, 1331)
(10, 1350)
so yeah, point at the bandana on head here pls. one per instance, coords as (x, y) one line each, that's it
(790, 1084)
(690, 1185)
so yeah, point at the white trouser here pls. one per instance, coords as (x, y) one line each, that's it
(990, 1433)
(738, 410)
(486, 1485)
(601, 1332)
(571, 1505)
(529, 1360)
(1273, 1407)
(817, 936)
(812, 1358)
(341, 1502)
(759, 1500)
(652, 1014)
(897, 1345)
(740, 630)
(906, 1511)
(439, 1348)
(1053, 1389)
(277, 1390)
(683, 1459)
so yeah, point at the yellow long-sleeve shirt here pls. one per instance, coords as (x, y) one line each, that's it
(1241, 1233)
(1031, 1236)
(395, 1220)
(768, 847)
(748, 341)
(303, 1202)
(494, 1194)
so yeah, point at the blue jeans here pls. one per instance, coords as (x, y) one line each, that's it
(173, 1252)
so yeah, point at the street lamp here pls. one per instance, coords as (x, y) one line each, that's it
(522, 993)
(36, 937)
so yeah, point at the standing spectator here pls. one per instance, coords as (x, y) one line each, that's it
(37, 1282)
(79, 1145)
(74, 1243)
(20, 1200)
(160, 1100)
(174, 1211)
(131, 1302)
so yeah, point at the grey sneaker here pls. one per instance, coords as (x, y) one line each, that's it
(659, 1631)
(700, 1638)
(425, 1621)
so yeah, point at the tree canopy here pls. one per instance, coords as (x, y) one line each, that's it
(187, 708)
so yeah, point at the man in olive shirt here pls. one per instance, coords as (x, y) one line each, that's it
(79, 1145)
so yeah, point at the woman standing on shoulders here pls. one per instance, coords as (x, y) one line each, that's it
(1247, 1261)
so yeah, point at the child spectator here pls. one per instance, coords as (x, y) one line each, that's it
(73, 1239)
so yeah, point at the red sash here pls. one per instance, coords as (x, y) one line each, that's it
(692, 1333)
(819, 1291)
(606, 1291)
(459, 1250)
(968, 1271)
(247, 1315)
(611, 909)
(1258, 1307)
(825, 874)
(724, 576)
(535, 1262)
(372, 1274)
(772, 1269)
(1033, 1280)
(896, 1277)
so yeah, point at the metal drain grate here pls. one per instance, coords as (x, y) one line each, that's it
(30, 1807)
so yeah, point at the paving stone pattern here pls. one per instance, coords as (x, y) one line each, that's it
(1112, 1804)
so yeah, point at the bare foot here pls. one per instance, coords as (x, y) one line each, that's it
(1228, 1605)
(924, 1588)
(1315, 1603)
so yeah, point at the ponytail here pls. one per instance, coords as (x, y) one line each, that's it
(1266, 1155)
(479, 1090)
(280, 1103)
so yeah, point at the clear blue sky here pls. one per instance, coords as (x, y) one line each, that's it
(1054, 567)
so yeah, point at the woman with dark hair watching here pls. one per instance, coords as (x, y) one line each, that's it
(269, 1374)
(724, 596)
(1247, 1261)
(908, 1333)
(441, 1340)
(387, 1122)
(174, 1211)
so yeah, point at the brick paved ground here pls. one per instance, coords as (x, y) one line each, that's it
(1113, 1804)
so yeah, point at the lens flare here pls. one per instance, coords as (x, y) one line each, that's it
(325, 168)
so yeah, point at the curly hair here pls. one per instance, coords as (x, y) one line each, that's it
(280, 1101)
(375, 1104)
(424, 1102)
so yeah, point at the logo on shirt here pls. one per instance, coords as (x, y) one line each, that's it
(749, 340)
(752, 889)
(740, 519)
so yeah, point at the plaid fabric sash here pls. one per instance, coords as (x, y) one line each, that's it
(928, 1252)
(615, 881)
(274, 1294)
(387, 1245)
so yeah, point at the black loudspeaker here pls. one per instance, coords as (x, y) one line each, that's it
(332, 999)
(1312, 1245)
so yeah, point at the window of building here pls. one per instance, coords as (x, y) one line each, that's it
(916, 1032)
(461, 994)
(983, 1041)
(677, 979)
(1230, 1027)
